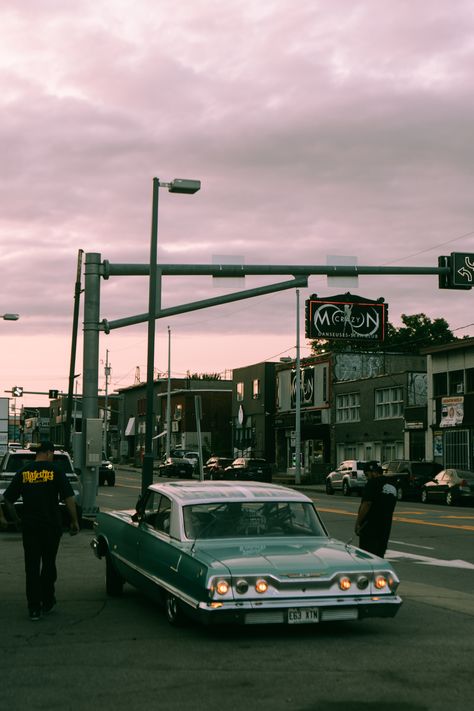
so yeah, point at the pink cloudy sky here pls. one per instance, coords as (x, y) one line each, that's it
(317, 128)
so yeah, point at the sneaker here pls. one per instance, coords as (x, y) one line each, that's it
(49, 608)
(35, 614)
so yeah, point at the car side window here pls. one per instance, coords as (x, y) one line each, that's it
(163, 515)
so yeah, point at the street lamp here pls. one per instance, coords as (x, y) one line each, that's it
(187, 187)
(10, 317)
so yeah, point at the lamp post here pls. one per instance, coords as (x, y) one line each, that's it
(177, 185)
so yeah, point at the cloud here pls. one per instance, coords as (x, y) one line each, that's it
(315, 129)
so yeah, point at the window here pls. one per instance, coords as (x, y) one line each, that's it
(256, 389)
(240, 392)
(469, 380)
(388, 403)
(456, 382)
(440, 384)
(348, 407)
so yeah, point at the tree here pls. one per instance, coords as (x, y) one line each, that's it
(418, 332)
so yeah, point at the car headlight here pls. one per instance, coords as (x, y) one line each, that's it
(241, 586)
(222, 587)
(109, 466)
(380, 582)
(261, 586)
(345, 583)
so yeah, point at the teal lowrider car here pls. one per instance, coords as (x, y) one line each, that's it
(250, 553)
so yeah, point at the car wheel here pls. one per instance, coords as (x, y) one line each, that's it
(329, 489)
(399, 493)
(450, 498)
(346, 489)
(174, 612)
(113, 580)
(111, 480)
(424, 496)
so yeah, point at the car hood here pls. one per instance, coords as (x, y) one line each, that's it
(319, 555)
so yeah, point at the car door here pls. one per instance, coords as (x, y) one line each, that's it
(338, 474)
(158, 554)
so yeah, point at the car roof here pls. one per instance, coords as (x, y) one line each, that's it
(187, 492)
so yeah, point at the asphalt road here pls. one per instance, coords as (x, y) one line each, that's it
(120, 653)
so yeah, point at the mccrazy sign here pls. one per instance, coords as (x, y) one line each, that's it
(347, 317)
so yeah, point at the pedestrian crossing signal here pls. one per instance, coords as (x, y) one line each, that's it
(53, 394)
(17, 391)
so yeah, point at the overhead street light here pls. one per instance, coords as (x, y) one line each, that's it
(10, 317)
(187, 187)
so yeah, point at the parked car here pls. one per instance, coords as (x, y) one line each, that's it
(16, 459)
(258, 554)
(451, 486)
(176, 466)
(106, 472)
(249, 469)
(409, 477)
(215, 467)
(349, 477)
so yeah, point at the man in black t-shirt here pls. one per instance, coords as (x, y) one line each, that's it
(374, 519)
(41, 485)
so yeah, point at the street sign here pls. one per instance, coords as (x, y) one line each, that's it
(462, 269)
(17, 391)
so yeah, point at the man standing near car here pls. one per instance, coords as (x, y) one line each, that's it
(374, 519)
(41, 485)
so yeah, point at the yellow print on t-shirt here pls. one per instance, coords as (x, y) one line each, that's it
(38, 477)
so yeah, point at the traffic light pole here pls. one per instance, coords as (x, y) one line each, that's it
(95, 269)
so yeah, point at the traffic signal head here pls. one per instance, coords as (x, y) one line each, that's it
(53, 394)
(17, 391)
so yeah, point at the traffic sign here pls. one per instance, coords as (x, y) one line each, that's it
(17, 391)
(462, 269)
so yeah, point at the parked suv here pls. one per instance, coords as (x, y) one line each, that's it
(16, 459)
(409, 477)
(349, 477)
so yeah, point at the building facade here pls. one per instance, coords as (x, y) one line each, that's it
(450, 438)
(253, 410)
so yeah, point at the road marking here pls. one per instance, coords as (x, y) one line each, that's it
(446, 598)
(426, 560)
(412, 545)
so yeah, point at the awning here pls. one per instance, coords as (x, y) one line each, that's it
(130, 428)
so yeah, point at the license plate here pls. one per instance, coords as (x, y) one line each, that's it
(302, 615)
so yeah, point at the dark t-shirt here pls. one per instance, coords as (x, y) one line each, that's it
(41, 486)
(383, 497)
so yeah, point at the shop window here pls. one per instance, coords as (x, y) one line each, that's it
(240, 392)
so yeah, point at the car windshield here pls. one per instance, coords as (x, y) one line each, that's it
(244, 518)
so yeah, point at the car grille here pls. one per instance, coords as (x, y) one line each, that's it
(348, 613)
(264, 618)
